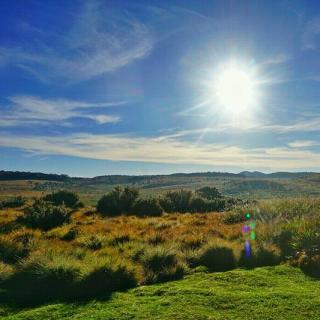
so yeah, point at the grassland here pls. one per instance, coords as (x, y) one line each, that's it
(280, 292)
(170, 264)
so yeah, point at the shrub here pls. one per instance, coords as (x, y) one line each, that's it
(44, 216)
(93, 242)
(160, 264)
(147, 207)
(12, 203)
(43, 278)
(209, 193)
(177, 201)
(259, 257)
(12, 251)
(63, 197)
(105, 277)
(70, 235)
(308, 262)
(117, 201)
(5, 271)
(218, 257)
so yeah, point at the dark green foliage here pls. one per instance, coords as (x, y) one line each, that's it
(118, 201)
(209, 193)
(147, 207)
(38, 281)
(104, 279)
(160, 264)
(177, 201)
(44, 216)
(70, 235)
(12, 203)
(218, 258)
(64, 197)
(258, 258)
(187, 201)
(234, 217)
(12, 251)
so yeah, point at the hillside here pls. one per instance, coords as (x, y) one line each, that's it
(244, 185)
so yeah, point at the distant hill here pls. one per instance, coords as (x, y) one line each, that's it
(113, 179)
(18, 175)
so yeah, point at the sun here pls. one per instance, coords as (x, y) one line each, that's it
(235, 88)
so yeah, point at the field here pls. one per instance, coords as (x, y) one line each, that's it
(84, 263)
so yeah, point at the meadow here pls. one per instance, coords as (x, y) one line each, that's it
(60, 256)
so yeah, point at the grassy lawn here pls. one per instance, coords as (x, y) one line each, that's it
(280, 292)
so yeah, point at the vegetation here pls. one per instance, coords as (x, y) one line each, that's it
(280, 293)
(130, 241)
(118, 201)
(44, 216)
(63, 197)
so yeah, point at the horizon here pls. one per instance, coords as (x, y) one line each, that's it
(91, 88)
(165, 174)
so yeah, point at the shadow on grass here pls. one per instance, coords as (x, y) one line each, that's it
(21, 299)
(25, 290)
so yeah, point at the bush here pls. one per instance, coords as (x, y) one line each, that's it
(177, 201)
(106, 277)
(160, 264)
(12, 203)
(93, 242)
(12, 251)
(117, 201)
(42, 278)
(259, 257)
(5, 271)
(63, 197)
(218, 257)
(147, 207)
(209, 193)
(70, 235)
(44, 216)
(308, 262)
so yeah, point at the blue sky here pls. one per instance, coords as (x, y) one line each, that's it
(130, 87)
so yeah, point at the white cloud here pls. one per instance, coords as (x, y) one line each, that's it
(99, 41)
(165, 150)
(302, 143)
(32, 109)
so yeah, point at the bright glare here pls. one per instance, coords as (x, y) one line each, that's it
(235, 88)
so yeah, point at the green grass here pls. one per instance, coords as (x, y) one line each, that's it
(280, 292)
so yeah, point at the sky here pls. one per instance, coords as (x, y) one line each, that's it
(95, 87)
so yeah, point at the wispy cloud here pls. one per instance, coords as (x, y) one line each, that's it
(303, 143)
(32, 109)
(166, 150)
(98, 41)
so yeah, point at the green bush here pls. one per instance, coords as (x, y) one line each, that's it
(118, 201)
(106, 277)
(177, 201)
(147, 207)
(5, 271)
(13, 203)
(12, 251)
(259, 257)
(44, 216)
(308, 262)
(160, 264)
(42, 278)
(70, 235)
(218, 257)
(63, 197)
(209, 193)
